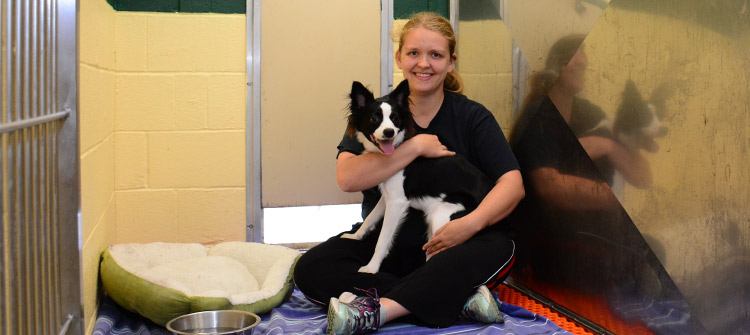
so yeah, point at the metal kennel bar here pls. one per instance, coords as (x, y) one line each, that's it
(39, 282)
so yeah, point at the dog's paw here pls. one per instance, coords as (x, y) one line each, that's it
(351, 236)
(368, 269)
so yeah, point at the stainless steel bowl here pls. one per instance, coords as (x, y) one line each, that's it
(224, 322)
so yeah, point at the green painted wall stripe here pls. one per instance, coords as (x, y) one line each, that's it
(402, 9)
(147, 5)
(478, 10)
(180, 6)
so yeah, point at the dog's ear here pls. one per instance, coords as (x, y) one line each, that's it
(360, 96)
(659, 98)
(631, 104)
(401, 94)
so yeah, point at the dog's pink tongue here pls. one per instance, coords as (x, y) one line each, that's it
(386, 147)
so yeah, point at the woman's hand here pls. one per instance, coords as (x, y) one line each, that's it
(633, 166)
(496, 205)
(451, 234)
(596, 146)
(429, 146)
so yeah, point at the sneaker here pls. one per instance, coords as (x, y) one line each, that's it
(351, 314)
(482, 307)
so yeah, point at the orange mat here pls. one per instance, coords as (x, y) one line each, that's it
(588, 306)
(513, 297)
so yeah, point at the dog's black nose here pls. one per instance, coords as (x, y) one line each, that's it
(388, 132)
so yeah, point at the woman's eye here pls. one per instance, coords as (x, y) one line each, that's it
(436, 55)
(412, 53)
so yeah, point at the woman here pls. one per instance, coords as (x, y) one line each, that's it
(571, 218)
(557, 87)
(467, 253)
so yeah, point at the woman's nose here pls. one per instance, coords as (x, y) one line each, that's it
(422, 61)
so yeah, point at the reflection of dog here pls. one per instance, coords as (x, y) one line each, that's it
(637, 121)
(443, 188)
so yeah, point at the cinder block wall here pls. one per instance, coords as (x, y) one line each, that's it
(97, 142)
(162, 131)
(485, 52)
(179, 162)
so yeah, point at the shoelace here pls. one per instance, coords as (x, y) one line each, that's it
(369, 310)
(372, 293)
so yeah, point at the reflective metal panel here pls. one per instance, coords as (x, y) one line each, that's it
(684, 66)
(632, 135)
(577, 245)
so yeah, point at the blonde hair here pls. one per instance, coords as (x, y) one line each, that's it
(434, 22)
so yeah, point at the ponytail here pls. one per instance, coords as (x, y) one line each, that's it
(454, 82)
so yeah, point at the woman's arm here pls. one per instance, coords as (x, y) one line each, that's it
(359, 172)
(633, 166)
(496, 205)
(572, 193)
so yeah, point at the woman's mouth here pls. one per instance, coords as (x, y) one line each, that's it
(423, 76)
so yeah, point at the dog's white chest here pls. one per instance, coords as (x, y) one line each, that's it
(393, 188)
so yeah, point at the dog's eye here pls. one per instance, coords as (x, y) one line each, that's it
(374, 118)
(394, 117)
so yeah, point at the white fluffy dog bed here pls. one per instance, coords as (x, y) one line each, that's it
(162, 281)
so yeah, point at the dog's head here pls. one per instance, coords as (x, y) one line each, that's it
(380, 124)
(638, 121)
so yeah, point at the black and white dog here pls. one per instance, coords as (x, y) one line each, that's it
(443, 188)
(638, 122)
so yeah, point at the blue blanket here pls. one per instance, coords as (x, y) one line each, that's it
(299, 316)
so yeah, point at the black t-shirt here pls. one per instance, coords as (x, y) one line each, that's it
(464, 126)
(542, 138)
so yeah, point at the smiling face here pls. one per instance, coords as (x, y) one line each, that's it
(573, 75)
(425, 60)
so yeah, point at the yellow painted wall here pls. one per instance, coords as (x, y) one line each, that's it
(485, 56)
(97, 142)
(162, 131)
(179, 158)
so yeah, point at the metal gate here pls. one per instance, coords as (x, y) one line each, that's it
(39, 240)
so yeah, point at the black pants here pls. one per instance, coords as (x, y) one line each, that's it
(434, 291)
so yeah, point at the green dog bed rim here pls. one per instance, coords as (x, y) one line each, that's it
(161, 304)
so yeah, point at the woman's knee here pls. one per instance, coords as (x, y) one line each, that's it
(303, 270)
(317, 263)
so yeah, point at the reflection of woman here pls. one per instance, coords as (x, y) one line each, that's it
(554, 90)
(570, 214)
(466, 252)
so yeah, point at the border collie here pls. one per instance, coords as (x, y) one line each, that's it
(638, 121)
(442, 188)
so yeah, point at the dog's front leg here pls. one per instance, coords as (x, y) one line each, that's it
(370, 221)
(438, 214)
(395, 212)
